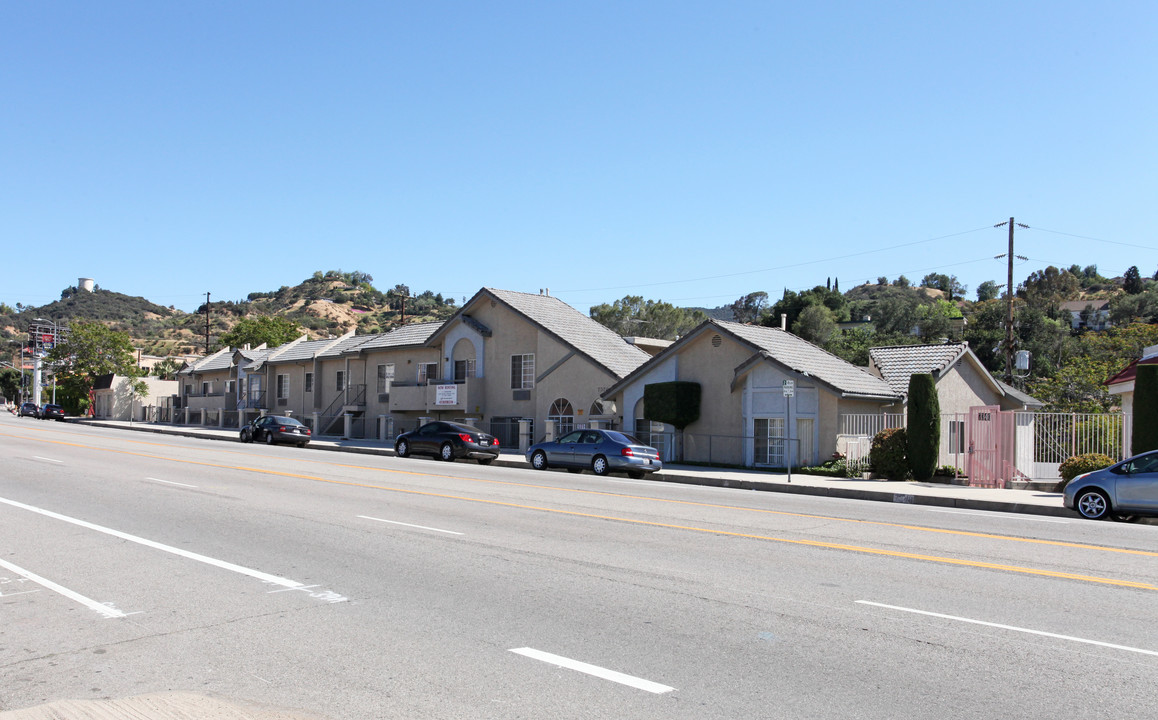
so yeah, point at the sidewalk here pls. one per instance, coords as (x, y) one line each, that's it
(1033, 502)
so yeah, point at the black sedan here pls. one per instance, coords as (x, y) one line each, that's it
(448, 441)
(28, 410)
(274, 429)
(601, 451)
(52, 412)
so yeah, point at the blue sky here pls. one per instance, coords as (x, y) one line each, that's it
(687, 152)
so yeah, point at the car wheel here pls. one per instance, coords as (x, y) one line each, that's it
(301, 445)
(446, 452)
(485, 461)
(635, 474)
(1093, 504)
(269, 438)
(539, 460)
(402, 449)
(245, 436)
(599, 465)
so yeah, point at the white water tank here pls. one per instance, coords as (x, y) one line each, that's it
(85, 284)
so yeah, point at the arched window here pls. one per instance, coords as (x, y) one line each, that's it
(563, 415)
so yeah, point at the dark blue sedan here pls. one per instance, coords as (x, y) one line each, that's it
(601, 451)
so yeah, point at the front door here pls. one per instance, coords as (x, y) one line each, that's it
(984, 436)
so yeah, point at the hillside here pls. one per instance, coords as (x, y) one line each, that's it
(324, 304)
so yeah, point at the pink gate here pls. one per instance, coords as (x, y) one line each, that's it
(984, 464)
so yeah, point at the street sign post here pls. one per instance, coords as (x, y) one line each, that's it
(789, 387)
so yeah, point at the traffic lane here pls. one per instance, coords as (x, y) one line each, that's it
(710, 516)
(424, 560)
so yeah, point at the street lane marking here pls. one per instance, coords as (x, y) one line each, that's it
(618, 677)
(170, 482)
(999, 516)
(1012, 627)
(420, 527)
(264, 577)
(61, 462)
(107, 610)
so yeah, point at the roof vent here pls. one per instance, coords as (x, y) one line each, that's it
(717, 341)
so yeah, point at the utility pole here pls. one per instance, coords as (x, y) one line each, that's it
(1009, 256)
(207, 322)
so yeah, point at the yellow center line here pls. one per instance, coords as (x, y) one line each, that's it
(633, 521)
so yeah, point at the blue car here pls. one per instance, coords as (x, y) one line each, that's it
(1121, 491)
(601, 451)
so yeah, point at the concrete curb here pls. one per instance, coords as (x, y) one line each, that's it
(675, 476)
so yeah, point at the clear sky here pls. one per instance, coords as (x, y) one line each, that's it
(687, 152)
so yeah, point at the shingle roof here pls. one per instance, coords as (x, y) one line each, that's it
(804, 357)
(415, 334)
(596, 341)
(897, 363)
(341, 346)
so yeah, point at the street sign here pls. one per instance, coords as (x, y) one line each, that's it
(789, 387)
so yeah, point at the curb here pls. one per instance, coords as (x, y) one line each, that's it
(708, 481)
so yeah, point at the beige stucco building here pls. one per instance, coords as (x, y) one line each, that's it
(113, 398)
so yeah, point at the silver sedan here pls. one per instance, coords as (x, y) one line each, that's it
(601, 451)
(1120, 491)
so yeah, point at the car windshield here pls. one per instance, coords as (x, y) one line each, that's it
(287, 421)
(623, 438)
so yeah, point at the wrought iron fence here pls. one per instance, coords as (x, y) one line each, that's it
(1058, 436)
(869, 424)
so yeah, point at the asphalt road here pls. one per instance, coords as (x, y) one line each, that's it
(346, 586)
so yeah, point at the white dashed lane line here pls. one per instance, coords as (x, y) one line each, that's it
(595, 670)
(420, 527)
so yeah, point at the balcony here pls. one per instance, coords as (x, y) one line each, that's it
(462, 395)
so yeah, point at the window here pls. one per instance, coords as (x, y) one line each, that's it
(956, 437)
(230, 386)
(463, 369)
(340, 385)
(427, 372)
(769, 441)
(563, 416)
(309, 384)
(283, 387)
(523, 371)
(188, 390)
(204, 389)
(385, 377)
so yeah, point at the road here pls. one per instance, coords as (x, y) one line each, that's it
(347, 586)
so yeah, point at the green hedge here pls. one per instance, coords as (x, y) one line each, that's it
(675, 403)
(924, 426)
(1145, 434)
(887, 454)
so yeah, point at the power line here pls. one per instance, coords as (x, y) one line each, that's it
(1101, 240)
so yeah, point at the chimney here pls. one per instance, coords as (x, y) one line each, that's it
(784, 321)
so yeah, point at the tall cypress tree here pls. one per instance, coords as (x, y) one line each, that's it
(924, 426)
(1145, 433)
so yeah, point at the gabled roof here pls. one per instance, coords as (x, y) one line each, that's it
(404, 336)
(1025, 399)
(898, 362)
(220, 360)
(1080, 305)
(786, 349)
(301, 350)
(566, 324)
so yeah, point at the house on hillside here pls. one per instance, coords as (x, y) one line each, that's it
(1088, 314)
(745, 417)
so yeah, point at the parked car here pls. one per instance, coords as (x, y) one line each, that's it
(273, 429)
(448, 441)
(52, 412)
(28, 410)
(1122, 491)
(601, 451)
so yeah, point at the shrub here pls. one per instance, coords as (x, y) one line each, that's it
(1145, 436)
(888, 454)
(1079, 464)
(676, 403)
(924, 426)
(949, 471)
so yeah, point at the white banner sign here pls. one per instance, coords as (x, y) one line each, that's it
(446, 394)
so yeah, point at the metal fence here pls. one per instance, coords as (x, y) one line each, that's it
(869, 424)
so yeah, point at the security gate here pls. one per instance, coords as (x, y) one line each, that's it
(984, 464)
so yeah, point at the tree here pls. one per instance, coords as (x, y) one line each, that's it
(10, 383)
(263, 329)
(632, 315)
(750, 308)
(902, 281)
(1076, 387)
(1142, 307)
(1049, 288)
(792, 304)
(923, 436)
(168, 368)
(987, 290)
(935, 320)
(1132, 281)
(815, 325)
(89, 350)
(945, 283)
(1145, 433)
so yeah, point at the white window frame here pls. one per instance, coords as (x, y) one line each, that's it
(770, 441)
(385, 377)
(526, 374)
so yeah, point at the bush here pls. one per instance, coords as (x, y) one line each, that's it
(1079, 464)
(836, 467)
(887, 454)
(949, 471)
(924, 426)
(1145, 436)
